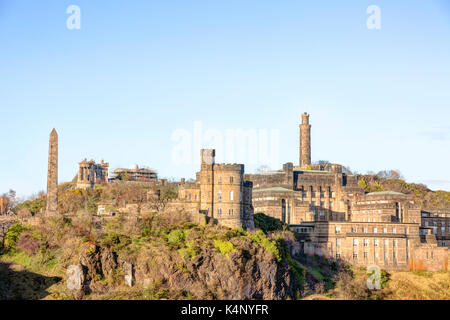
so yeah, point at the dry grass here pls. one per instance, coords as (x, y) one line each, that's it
(419, 286)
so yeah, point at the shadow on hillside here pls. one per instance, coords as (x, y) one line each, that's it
(23, 285)
(321, 273)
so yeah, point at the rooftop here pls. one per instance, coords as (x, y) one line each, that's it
(273, 189)
(384, 192)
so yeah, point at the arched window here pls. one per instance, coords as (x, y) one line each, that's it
(231, 196)
(219, 196)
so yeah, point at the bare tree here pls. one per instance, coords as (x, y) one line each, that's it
(347, 170)
(7, 202)
(263, 169)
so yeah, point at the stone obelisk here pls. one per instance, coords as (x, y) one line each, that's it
(52, 175)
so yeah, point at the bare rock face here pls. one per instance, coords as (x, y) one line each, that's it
(97, 261)
(247, 273)
(75, 277)
(129, 274)
(108, 260)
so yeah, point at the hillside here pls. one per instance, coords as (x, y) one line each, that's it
(172, 258)
(423, 195)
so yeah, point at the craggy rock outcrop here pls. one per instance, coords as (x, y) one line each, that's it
(248, 272)
(96, 260)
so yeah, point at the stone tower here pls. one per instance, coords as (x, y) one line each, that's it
(207, 181)
(52, 175)
(224, 196)
(305, 141)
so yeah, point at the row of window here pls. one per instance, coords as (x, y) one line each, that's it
(189, 196)
(230, 196)
(219, 180)
(366, 255)
(230, 212)
(367, 242)
(435, 224)
(318, 195)
(374, 230)
(219, 196)
(322, 204)
(432, 215)
(367, 211)
(372, 202)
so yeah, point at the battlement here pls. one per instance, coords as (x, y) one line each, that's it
(229, 167)
(208, 156)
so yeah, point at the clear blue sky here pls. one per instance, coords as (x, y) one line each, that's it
(137, 71)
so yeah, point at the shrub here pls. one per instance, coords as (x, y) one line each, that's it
(12, 236)
(190, 252)
(28, 244)
(351, 288)
(385, 277)
(116, 241)
(223, 246)
(176, 236)
(34, 206)
(268, 224)
(146, 232)
(270, 245)
(299, 272)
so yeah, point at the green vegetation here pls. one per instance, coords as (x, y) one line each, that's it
(176, 236)
(49, 246)
(12, 236)
(298, 271)
(268, 244)
(34, 206)
(268, 224)
(190, 251)
(224, 247)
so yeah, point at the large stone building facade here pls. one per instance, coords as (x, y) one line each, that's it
(337, 219)
(436, 221)
(219, 194)
(91, 173)
(136, 174)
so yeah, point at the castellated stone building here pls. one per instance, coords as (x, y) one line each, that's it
(91, 173)
(335, 218)
(218, 194)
